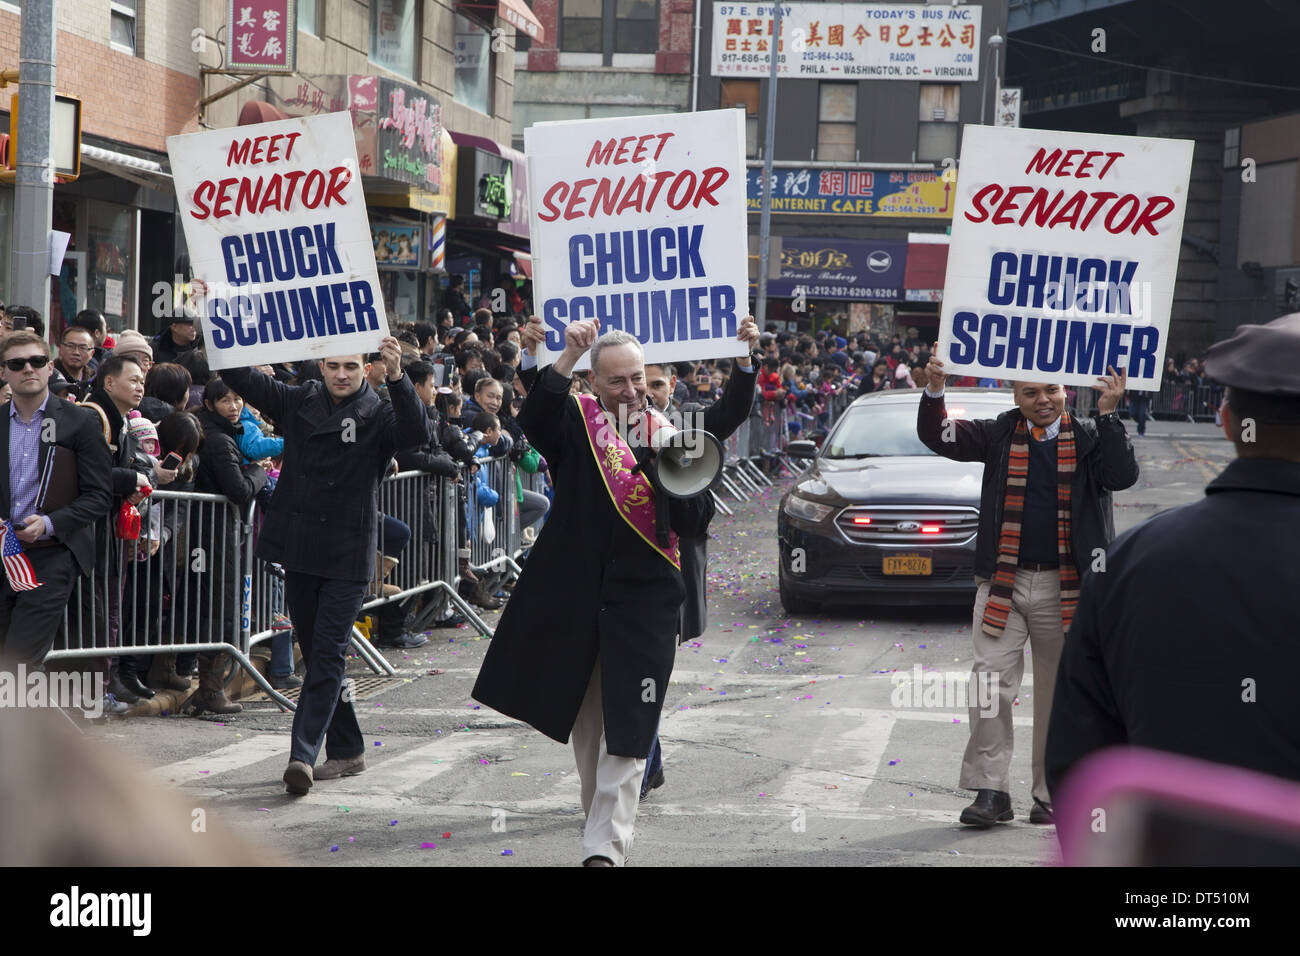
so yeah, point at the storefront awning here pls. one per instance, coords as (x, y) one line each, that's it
(927, 265)
(517, 14)
(523, 261)
(146, 172)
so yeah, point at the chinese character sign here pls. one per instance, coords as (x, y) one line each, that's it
(854, 192)
(1008, 108)
(1063, 255)
(639, 221)
(277, 229)
(875, 41)
(263, 36)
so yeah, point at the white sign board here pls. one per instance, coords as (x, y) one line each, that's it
(1063, 255)
(277, 230)
(639, 221)
(867, 41)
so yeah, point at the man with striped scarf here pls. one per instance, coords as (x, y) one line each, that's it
(1045, 518)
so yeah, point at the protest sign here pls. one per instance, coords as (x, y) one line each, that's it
(640, 221)
(277, 230)
(1063, 256)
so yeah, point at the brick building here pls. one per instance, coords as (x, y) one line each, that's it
(138, 81)
(604, 58)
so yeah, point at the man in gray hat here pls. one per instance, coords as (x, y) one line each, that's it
(1187, 641)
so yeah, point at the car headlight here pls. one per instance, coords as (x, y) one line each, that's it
(805, 509)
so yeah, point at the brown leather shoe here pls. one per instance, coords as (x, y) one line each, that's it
(340, 767)
(297, 778)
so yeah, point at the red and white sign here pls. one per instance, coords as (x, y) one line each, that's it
(277, 229)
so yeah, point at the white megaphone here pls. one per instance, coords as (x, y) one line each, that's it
(687, 463)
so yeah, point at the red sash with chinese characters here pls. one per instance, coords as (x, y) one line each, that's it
(630, 491)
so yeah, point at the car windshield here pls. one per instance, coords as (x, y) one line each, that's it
(885, 429)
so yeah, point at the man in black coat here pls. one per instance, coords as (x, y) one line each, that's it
(322, 528)
(179, 337)
(1045, 516)
(1187, 641)
(585, 647)
(56, 528)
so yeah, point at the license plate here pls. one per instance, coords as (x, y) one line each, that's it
(907, 564)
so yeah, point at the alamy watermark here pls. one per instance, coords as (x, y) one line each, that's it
(946, 690)
(68, 691)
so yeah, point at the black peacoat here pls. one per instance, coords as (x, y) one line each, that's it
(323, 518)
(591, 587)
(1186, 643)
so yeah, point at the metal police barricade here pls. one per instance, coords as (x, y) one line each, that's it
(181, 587)
(734, 479)
(494, 543)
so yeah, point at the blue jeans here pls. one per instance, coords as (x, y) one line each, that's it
(654, 763)
(281, 654)
(1140, 406)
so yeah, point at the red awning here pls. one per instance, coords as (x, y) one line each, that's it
(523, 261)
(517, 14)
(927, 264)
(256, 111)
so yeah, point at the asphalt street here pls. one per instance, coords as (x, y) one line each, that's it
(783, 742)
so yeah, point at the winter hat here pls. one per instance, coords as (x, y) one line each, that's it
(132, 341)
(142, 430)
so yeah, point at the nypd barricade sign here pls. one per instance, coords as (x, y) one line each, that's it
(1063, 256)
(277, 230)
(640, 222)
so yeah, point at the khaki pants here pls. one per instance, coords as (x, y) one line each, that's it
(611, 786)
(1036, 615)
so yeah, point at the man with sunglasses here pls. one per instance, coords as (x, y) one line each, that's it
(56, 487)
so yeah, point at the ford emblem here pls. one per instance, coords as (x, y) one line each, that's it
(908, 526)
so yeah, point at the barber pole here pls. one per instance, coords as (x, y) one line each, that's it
(438, 244)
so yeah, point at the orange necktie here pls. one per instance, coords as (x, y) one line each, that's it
(1037, 432)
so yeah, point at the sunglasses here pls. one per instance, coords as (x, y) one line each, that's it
(18, 364)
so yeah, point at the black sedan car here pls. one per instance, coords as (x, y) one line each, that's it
(879, 518)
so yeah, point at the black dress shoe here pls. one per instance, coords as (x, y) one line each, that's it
(654, 783)
(1041, 812)
(990, 807)
(132, 683)
(119, 689)
(287, 682)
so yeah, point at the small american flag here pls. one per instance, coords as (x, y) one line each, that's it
(17, 568)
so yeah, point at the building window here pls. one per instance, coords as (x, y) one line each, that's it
(473, 65)
(837, 113)
(395, 35)
(309, 16)
(743, 95)
(609, 26)
(121, 25)
(580, 26)
(1232, 148)
(938, 122)
(636, 25)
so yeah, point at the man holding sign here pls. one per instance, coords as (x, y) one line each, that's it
(277, 228)
(586, 645)
(1045, 519)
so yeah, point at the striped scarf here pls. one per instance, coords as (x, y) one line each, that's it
(1013, 509)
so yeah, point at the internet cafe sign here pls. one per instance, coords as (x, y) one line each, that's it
(397, 127)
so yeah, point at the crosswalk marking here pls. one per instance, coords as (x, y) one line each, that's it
(244, 753)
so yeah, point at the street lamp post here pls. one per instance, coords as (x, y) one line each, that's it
(995, 44)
